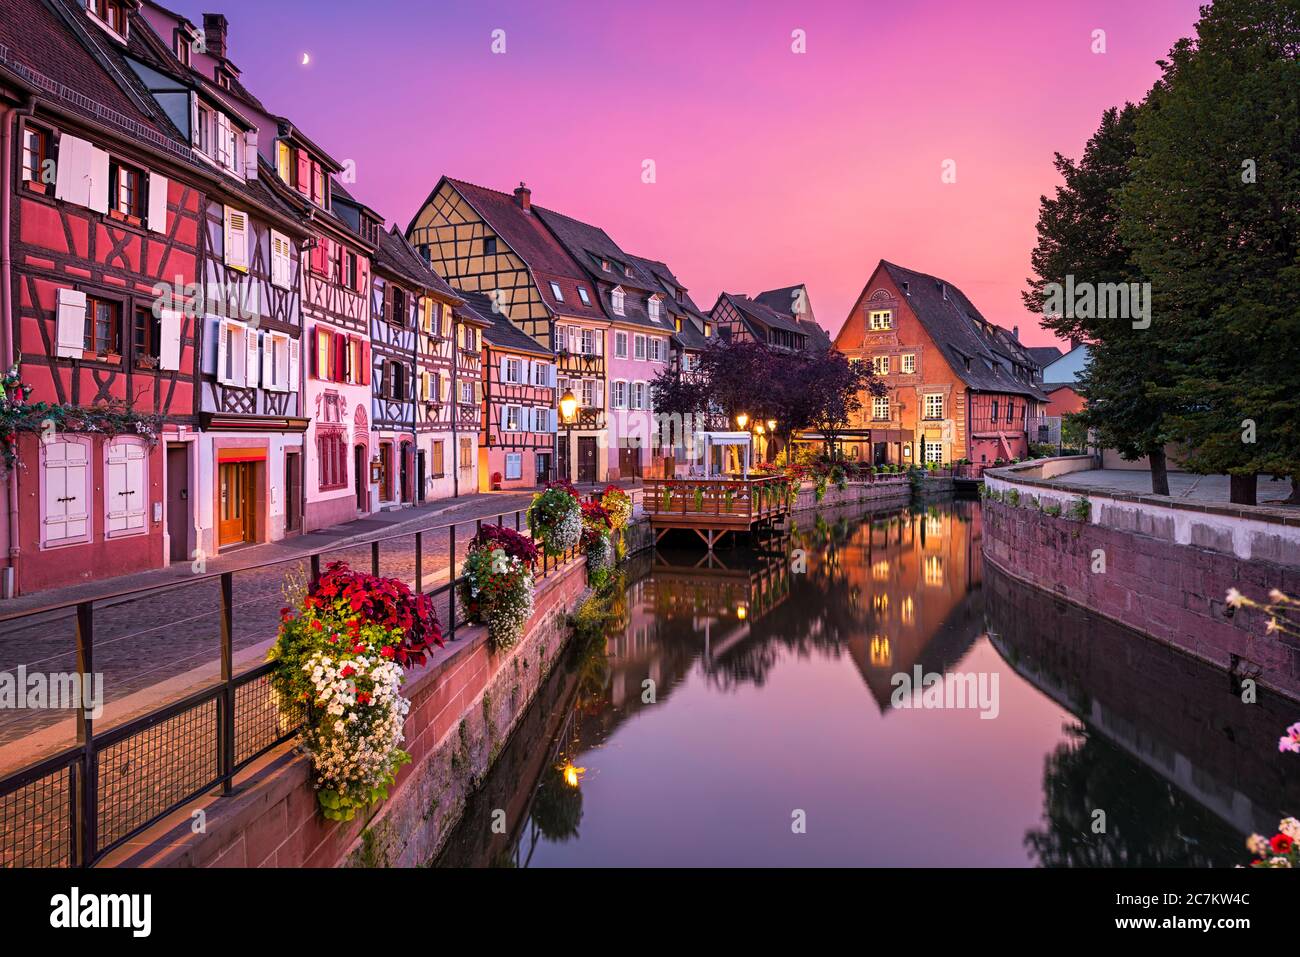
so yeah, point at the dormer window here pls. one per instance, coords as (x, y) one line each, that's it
(627, 270)
(616, 300)
(582, 294)
(109, 13)
(708, 330)
(655, 307)
(181, 45)
(557, 292)
(604, 265)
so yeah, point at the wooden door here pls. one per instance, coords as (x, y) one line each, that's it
(292, 491)
(629, 462)
(178, 497)
(562, 471)
(235, 512)
(362, 480)
(587, 459)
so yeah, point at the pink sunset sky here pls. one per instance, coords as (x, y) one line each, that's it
(772, 167)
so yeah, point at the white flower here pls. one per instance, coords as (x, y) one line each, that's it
(1235, 599)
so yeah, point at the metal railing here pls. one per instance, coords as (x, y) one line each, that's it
(73, 808)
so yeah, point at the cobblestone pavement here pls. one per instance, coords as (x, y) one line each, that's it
(140, 643)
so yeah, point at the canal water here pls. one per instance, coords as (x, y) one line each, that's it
(752, 712)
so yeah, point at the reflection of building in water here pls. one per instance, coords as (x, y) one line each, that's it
(1142, 703)
(910, 578)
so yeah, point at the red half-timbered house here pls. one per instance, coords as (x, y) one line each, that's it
(519, 423)
(248, 477)
(104, 206)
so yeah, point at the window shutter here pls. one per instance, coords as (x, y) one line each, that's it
(236, 238)
(365, 362)
(322, 357)
(295, 348)
(270, 379)
(279, 260)
(363, 278)
(600, 342)
(252, 365)
(600, 394)
(125, 493)
(65, 469)
(505, 417)
(157, 220)
(250, 154)
(304, 173)
(195, 135)
(341, 344)
(169, 348)
(502, 372)
(478, 393)
(98, 184)
(71, 323)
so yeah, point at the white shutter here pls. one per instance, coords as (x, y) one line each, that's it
(295, 353)
(169, 349)
(575, 339)
(502, 371)
(236, 238)
(71, 323)
(98, 171)
(269, 380)
(600, 342)
(250, 154)
(195, 137)
(65, 471)
(73, 169)
(157, 220)
(505, 416)
(125, 502)
(251, 364)
(553, 420)
(223, 344)
(600, 394)
(280, 266)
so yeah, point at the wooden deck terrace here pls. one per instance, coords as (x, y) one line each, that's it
(713, 507)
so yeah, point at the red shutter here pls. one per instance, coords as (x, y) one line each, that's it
(304, 173)
(365, 362)
(340, 357)
(363, 273)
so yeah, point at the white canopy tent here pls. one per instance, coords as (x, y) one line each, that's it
(741, 442)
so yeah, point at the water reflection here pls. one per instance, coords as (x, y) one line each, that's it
(723, 696)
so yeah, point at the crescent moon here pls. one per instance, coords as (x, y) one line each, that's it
(306, 58)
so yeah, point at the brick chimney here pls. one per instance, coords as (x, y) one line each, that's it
(1015, 333)
(524, 197)
(214, 34)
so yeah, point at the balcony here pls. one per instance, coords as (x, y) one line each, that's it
(585, 419)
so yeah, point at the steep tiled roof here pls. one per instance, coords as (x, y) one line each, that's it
(779, 300)
(1042, 355)
(764, 314)
(819, 339)
(54, 47)
(588, 245)
(691, 334)
(500, 331)
(974, 347)
(528, 236)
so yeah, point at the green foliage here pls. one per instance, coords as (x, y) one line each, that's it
(1013, 497)
(1053, 509)
(1080, 509)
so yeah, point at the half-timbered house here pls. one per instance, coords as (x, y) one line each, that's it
(483, 240)
(638, 344)
(739, 318)
(959, 385)
(248, 485)
(104, 202)
(517, 437)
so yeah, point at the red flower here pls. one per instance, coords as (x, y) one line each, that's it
(359, 648)
(316, 625)
(386, 651)
(1281, 844)
(347, 672)
(363, 698)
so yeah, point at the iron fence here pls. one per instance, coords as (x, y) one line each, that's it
(75, 807)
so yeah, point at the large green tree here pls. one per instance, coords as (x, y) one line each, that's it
(1079, 244)
(1212, 215)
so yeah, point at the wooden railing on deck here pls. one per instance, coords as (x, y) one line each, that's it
(738, 500)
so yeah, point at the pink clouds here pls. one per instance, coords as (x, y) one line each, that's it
(772, 167)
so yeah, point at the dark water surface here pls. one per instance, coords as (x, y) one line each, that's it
(722, 706)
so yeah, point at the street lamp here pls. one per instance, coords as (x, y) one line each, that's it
(742, 420)
(771, 425)
(759, 429)
(568, 405)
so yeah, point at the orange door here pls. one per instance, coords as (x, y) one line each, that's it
(235, 521)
